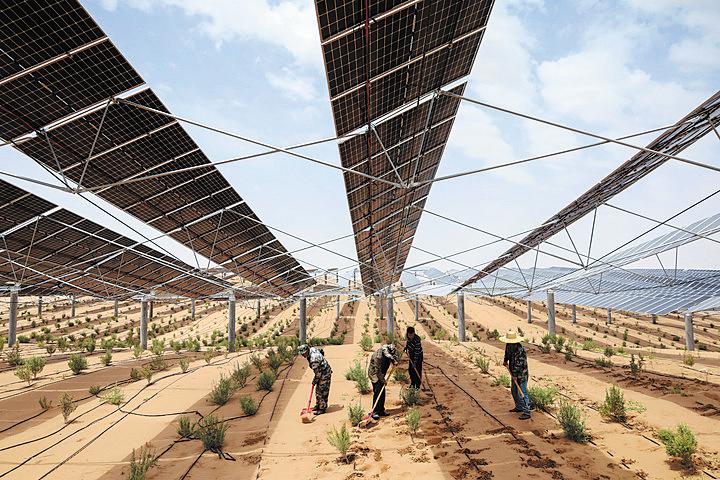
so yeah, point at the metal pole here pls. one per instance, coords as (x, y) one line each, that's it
(192, 309)
(116, 310)
(257, 309)
(143, 323)
(12, 326)
(609, 316)
(72, 306)
(303, 320)
(551, 311)
(461, 316)
(417, 308)
(689, 335)
(231, 324)
(382, 306)
(654, 319)
(40, 305)
(574, 314)
(150, 316)
(337, 308)
(529, 311)
(390, 316)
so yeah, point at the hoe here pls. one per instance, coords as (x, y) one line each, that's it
(369, 417)
(305, 412)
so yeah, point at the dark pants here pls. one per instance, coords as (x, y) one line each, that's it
(522, 402)
(380, 397)
(415, 370)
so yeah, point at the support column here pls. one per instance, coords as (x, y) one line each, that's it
(116, 310)
(654, 319)
(390, 315)
(12, 324)
(143, 323)
(689, 334)
(192, 309)
(529, 311)
(150, 315)
(417, 308)
(40, 305)
(72, 306)
(574, 314)
(257, 309)
(337, 308)
(303, 320)
(609, 316)
(461, 316)
(382, 306)
(551, 311)
(231, 324)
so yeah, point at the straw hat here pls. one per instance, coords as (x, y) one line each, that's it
(511, 337)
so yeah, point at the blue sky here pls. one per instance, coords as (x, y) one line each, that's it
(255, 67)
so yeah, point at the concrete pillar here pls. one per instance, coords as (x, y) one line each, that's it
(689, 334)
(337, 308)
(551, 311)
(257, 309)
(40, 305)
(231, 324)
(574, 314)
(654, 319)
(143, 323)
(461, 316)
(529, 311)
(303, 320)
(72, 306)
(390, 316)
(192, 309)
(116, 310)
(609, 316)
(12, 324)
(417, 308)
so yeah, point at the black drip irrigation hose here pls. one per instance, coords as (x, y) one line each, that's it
(98, 420)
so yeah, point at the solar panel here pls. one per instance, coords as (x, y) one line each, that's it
(673, 141)
(43, 247)
(61, 78)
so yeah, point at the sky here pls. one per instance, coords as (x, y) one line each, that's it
(609, 67)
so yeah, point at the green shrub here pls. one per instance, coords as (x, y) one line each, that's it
(542, 397)
(135, 374)
(95, 389)
(363, 384)
(483, 364)
(680, 443)
(410, 396)
(137, 351)
(614, 405)
(366, 343)
(502, 380)
(636, 366)
(688, 359)
(147, 374)
(340, 439)
(89, 345)
(77, 363)
(355, 414)
(24, 373)
(36, 365)
(185, 428)
(265, 380)
(355, 371)
(158, 346)
(249, 406)
(257, 362)
(221, 391)
(114, 397)
(273, 359)
(106, 358)
(184, 365)
(400, 375)
(45, 403)
(572, 423)
(603, 362)
(50, 348)
(609, 351)
(412, 419)
(211, 431)
(67, 404)
(588, 345)
(140, 465)
(13, 356)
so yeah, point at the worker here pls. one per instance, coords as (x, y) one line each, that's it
(323, 375)
(379, 365)
(414, 349)
(516, 361)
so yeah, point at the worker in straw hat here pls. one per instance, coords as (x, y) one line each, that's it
(516, 361)
(323, 376)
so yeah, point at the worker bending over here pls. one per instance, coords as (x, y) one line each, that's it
(379, 364)
(323, 375)
(414, 349)
(516, 361)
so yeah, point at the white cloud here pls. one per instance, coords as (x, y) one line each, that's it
(292, 85)
(289, 24)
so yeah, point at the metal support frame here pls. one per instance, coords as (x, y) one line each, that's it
(116, 310)
(337, 308)
(151, 311)
(231, 324)
(390, 315)
(12, 323)
(417, 308)
(689, 334)
(461, 315)
(40, 306)
(257, 309)
(303, 320)
(574, 314)
(72, 306)
(143, 322)
(529, 311)
(192, 309)
(654, 319)
(551, 311)
(609, 316)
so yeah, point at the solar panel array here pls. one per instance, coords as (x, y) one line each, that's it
(687, 131)
(49, 250)
(60, 77)
(383, 61)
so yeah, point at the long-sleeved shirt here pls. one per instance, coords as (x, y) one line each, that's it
(318, 364)
(516, 360)
(379, 364)
(414, 349)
